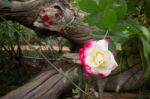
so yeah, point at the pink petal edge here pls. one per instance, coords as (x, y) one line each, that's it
(107, 39)
(89, 43)
(102, 75)
(114, 66)
(114, 53)
(86, 68)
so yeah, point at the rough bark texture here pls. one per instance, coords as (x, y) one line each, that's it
(48, 85)
(27, 12)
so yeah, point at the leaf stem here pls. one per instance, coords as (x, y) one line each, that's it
(106, 34)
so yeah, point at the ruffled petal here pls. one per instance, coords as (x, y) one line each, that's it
(103, 44)
(89, 62)
(85, 66)
(89, 43)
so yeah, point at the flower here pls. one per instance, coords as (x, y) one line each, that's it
(62, 30)
(97, 59)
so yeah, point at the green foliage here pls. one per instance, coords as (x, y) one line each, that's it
(117, 17)
(8, 35)
(109, 19)
(105, 14)
(88, 6)
(12, 73)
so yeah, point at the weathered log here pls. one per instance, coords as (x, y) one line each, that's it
(26, 13)
(124, 96)
(48, 85)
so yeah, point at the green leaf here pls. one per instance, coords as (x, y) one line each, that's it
(145, 32)
(119, 27)
(132, 26)
(96, 94)
(146, 48)
(109, 19)
(88, 6)
(97, 36)
(132, 6)
(93, 19)
(103, 4)
(118, 46)
(120, 8)
(119, 37)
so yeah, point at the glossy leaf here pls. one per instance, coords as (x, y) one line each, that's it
(88, 6)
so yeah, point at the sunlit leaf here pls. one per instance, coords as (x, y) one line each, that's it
(118, 46)
(145, 32)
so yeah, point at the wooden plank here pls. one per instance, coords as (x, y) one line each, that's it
(48, 85)
(30, 86)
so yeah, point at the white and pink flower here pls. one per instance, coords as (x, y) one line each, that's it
(97, 59)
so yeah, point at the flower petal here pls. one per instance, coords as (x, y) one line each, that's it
(86, 67)
(88, 44)
(113, 62)
(88, 47)
(89, 62)
(104, 73)
(102, 44)
(114, 53)
(101, 71)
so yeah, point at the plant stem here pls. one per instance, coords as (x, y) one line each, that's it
(106, 34)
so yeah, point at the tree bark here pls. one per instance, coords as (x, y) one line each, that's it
(51, 84)
(48, 85)
(27, 12)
